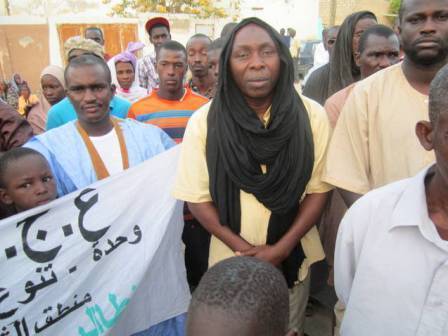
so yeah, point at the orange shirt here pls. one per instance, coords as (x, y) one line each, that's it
(170, 115)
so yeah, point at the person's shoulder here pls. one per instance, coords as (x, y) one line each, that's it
(198, 120)
(138, 125)
(145, 102)
(120, 102)
(62, 132)
(195, 97)
(318, 72)
(382, 199)
(319, 122)
(143, 133)
(314, 109)
(378, 79)
(201, 113)
(340, 95)
(60, 107)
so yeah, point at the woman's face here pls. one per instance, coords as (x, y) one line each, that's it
(17, 79)
(125, 74)
(360, 27)
(52, 89)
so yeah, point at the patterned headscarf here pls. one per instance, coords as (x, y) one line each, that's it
(79, 42)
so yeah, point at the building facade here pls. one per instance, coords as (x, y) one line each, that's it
(333, 12)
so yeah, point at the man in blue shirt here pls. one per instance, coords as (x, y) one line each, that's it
(64, 112)
(95, 145)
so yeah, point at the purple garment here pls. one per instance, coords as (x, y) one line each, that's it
(135, 46)
(126, 57)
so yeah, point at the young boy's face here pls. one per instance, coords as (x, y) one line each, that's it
(25, 92)
(28, 183)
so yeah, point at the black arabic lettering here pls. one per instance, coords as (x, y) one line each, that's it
(37, 256)
(84, 207)
(20, 327)
(138, 233)
(61, 313)
(5, 332)
(22, 323)
(31, 288)
(97, 253)
(118, 241)
(9, 313)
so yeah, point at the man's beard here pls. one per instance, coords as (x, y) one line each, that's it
(426, 60)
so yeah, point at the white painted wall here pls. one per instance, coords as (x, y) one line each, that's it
(302, 15)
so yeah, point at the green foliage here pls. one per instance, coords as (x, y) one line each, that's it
(394, 6)
(200, 8)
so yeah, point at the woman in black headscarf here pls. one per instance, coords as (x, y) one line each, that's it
(238, 145)
(248, 159)
(342, 70)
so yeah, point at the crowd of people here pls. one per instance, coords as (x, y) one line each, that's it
(353, 169)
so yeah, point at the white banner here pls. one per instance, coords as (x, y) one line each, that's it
(106, 260)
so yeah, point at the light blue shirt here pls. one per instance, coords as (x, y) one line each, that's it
(64, 112)
(70, 161)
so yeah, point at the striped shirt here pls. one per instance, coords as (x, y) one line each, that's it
(170, 115)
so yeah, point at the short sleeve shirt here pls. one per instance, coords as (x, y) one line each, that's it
(374, 141)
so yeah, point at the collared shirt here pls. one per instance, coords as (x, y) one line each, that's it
(374, 141)
(64, 112)
(147, 73)
(391, 265)
(208, 94)
(192, 185)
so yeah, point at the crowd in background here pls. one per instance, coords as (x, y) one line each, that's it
(339, 181)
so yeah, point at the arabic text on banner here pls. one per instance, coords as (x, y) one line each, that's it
(106, 260)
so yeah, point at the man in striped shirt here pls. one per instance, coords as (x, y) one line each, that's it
(170, 108)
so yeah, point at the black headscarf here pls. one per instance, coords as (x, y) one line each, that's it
(343, 68)
(238, 143)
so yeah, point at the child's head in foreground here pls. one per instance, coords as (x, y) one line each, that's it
(240, 296)
(26, 180)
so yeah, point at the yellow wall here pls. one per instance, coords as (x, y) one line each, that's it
(346, 7)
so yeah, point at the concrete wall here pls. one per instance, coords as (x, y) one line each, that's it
(28, 44)
(29, 56)
(24, 49)
(301, 15)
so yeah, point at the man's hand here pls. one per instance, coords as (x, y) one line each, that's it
(269, 253)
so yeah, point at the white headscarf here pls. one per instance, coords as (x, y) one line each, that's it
(135, 92)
